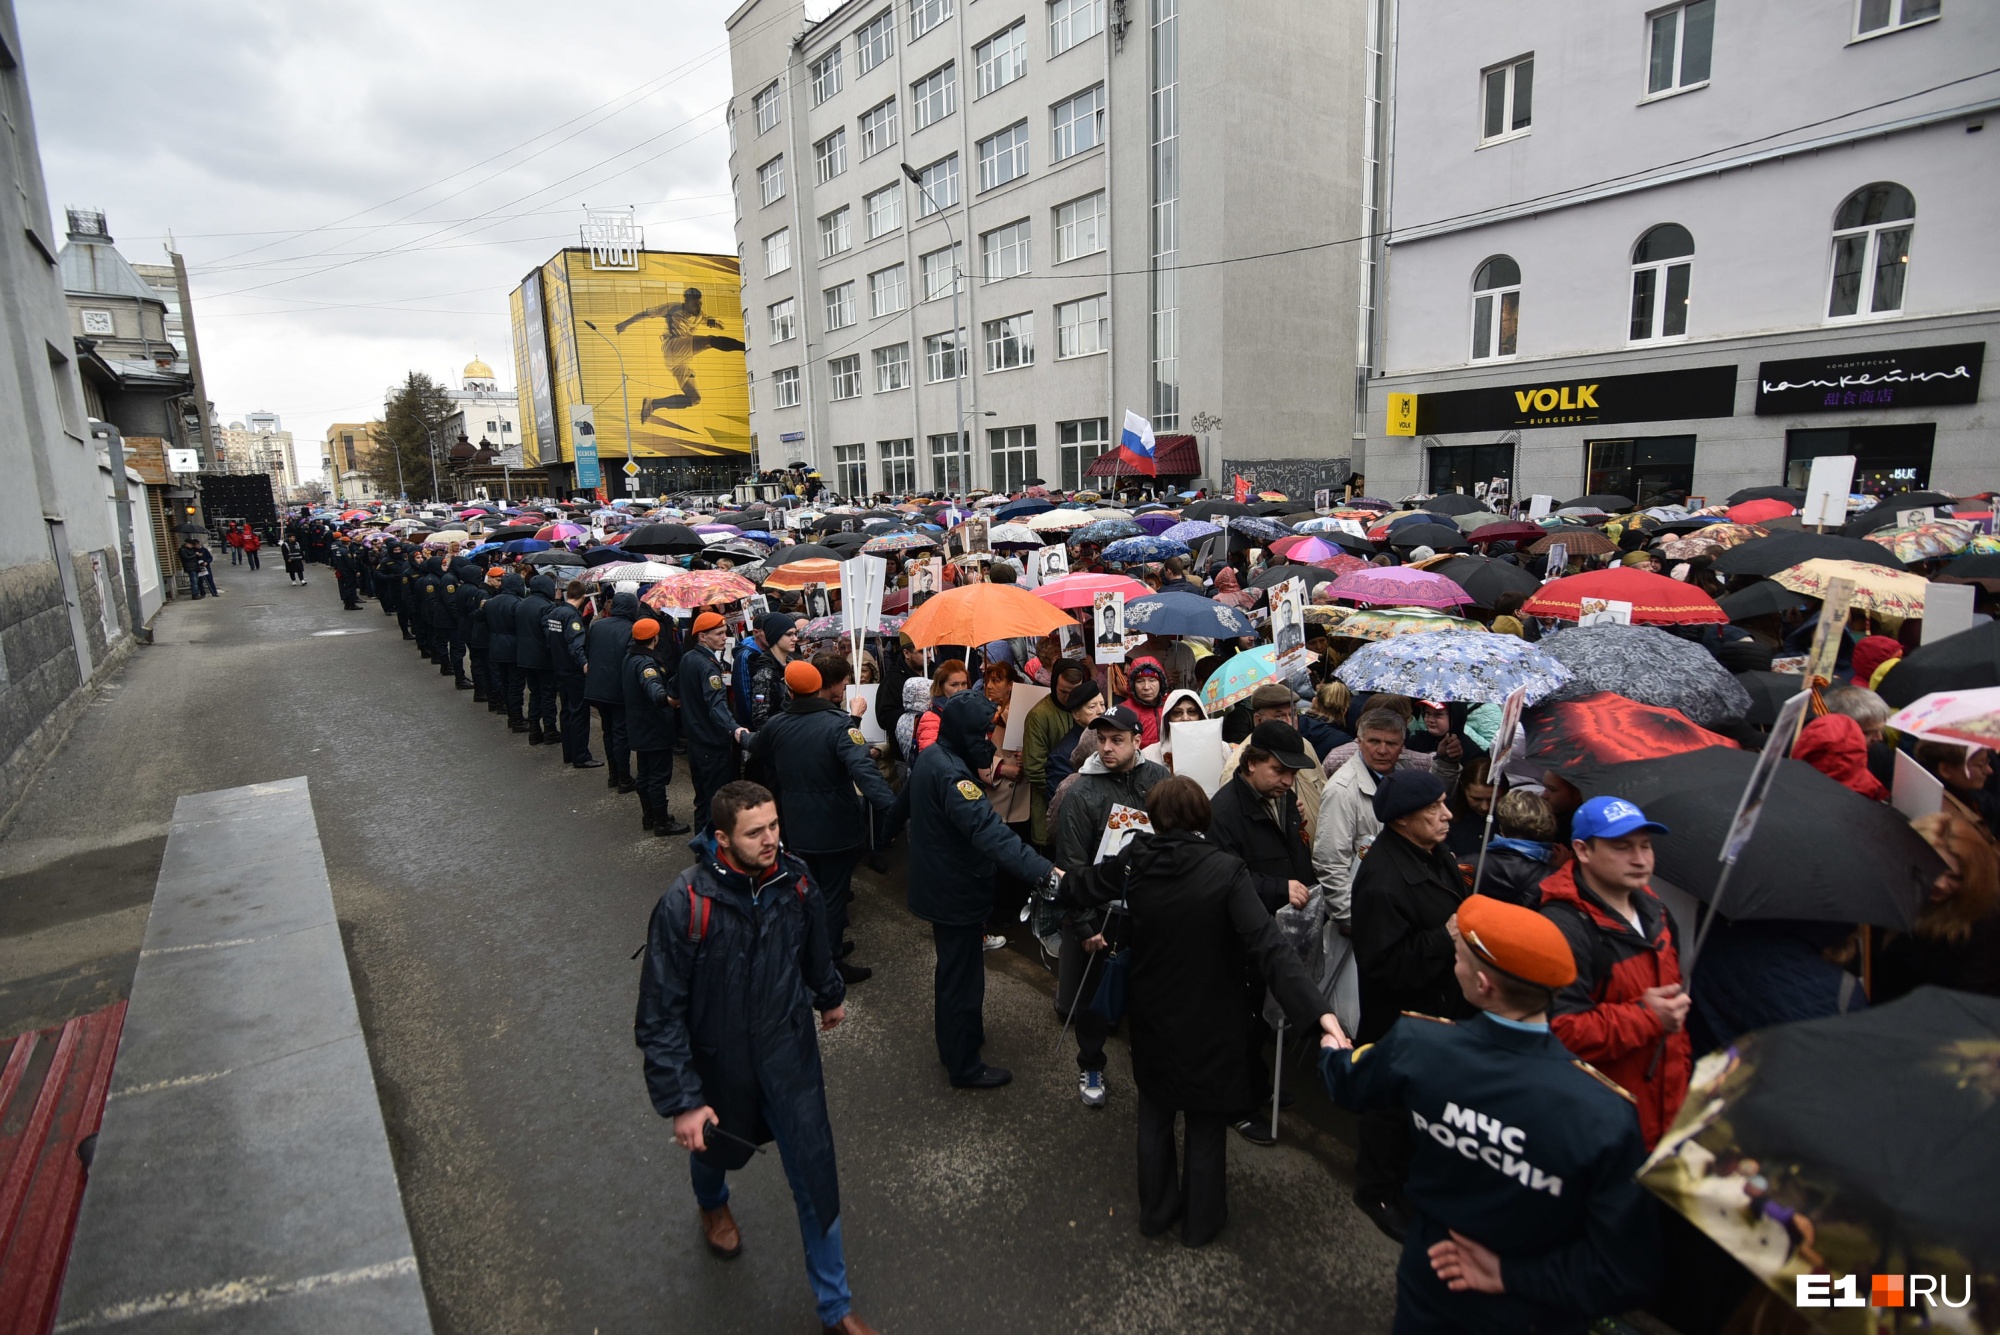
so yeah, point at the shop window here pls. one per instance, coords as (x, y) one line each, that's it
(1652, 470)
(1470, 468)
(1887, 459)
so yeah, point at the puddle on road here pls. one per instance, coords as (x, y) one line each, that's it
(344, 630)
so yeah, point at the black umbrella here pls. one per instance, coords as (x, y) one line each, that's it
(604, 556)
(1299, 517)
(1454, 503)
(1821, 852)
(512, 532)
(1761, 599)
(1271, 508)
(1678, 526)
(556, 556)
(1768, 693)
(1211, 508)
(1272, 576)
(1789, 495)
(1981, 568)
(847, 542)
(1883, 513)
(1434, 536)
(1961, 662)
(1611, 505)
(1486, 579)
(1353, 542)
(1782, 551)
(805, 551)
(665, 539)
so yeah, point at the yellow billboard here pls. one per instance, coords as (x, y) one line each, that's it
(675, 325)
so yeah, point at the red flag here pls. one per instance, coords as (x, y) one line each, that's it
(1242, 489)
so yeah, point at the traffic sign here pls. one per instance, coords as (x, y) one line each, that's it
(632, 485)
(631, 469)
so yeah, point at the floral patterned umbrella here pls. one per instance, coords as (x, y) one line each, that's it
(698, 588)
(1397, 587)
(1340, 564)
(1454, 666)
(1106, 531)
(1387, 623)
(1649, 666)
(1258, 528)
(1139, 550)
(643, 572)
(1931, 540)
(1877, 589)
(1190, 531)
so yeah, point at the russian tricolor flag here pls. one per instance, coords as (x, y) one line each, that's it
(1135, 444)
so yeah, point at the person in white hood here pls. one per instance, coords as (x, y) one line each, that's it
(1181, 706)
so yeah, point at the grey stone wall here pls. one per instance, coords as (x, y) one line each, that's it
(41, 692)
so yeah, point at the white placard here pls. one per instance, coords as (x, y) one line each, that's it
(1108, 627)
(1288, 625)
(1020, 701)
(1826, 491)
(1199, 753)
(183, 461)
(1947, 610)
(1603, 612)
(1541, 507)
(1558, 560)
(1050, 563)
(926, 580)
(1915, 515)
(870, 729)
(1323, 499)
(1916, 792)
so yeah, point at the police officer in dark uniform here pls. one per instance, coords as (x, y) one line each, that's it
(957, 841)
(706, 721)
(476, 585)
(531, 655)
(647, 675)
(499, 613)
(424, 584)
(344, 574)
(451, 631)
(563, 627)
(1527, 1214)
(390, 585)
(826, 784)
(608, 637)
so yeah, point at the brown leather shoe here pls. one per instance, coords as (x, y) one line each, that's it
(850, 1325)
(718, 1230)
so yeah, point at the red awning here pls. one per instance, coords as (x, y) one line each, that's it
(1174, 456)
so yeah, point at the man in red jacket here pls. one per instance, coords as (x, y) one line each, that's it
(1626, 1013)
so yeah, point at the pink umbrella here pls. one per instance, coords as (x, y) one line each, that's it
(1396, 586)
(561, 531)
(717, 528)
(1305, 550)
(1079, 590)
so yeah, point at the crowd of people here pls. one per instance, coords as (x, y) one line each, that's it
(1401, 871)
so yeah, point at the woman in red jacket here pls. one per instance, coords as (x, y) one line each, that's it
(252, 544)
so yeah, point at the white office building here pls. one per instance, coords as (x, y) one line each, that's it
(1671, 251)
(1111, 205)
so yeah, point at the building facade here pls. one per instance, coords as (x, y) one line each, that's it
(344, 456)
(260, 443)
(1667, 252)
(488, 415)
(972, 235)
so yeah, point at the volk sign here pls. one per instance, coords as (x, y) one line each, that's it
(1659, 396)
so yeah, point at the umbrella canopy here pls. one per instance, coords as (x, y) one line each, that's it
(1434, 536)
(1270, 577)
(1058, 521)
(1650, 666)
(1507, 530)
(891, 543)
(1079, 590)
(1876, 589)
(642, 572)
(1013, 535)
(666, 539)
(1395, 586)
(521, 546)
(1454, 666)
(1821, 852)
(556, 557)
(1768, 693)
(1931, 540)
(598, 556)
(1023, 509)
(1981, 568)
(1353, 542)
(1883, 513)
(1655, 599)
(1103, 531)
(1782, 551)
(1484, 580)
(1962, 662)
(561, 531)
(1387, 623)
(1455, 503)
(1304, 548)
(1156, 522)
(1789, 495)
(1603, 728)
(1191, 531)
(1340, 564)
(1239, 678)
(798, 574)
(982, 613)
(1137, 551)
(1579, 541)
(1603, 504)
(1964, 718)
(1883, 1122)
(697, 588)
(804, 551)
(1254, 529)
(1186, 614)
(1215, 506)
(1761, 599)
(1754, 512)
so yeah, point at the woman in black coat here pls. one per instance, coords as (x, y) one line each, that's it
(1194, 922)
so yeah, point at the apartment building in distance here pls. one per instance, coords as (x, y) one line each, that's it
(1667, 251)
(974, 232)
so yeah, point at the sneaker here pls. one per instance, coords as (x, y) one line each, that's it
(995, 943)
(1090, 1088)
(1254, 1131)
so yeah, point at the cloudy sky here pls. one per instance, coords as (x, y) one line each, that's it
(358, 184)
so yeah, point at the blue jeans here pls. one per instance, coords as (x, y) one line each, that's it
(826, 1261)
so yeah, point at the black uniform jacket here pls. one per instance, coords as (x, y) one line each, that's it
(531, 646)
(824, 777)
(957, 839)
(562, 631)
(648, 697)
(499, 613)
(606, 639)
(704, 696)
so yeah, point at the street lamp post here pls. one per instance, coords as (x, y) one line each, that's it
(431, 436)
(624, 392)
(958, 333)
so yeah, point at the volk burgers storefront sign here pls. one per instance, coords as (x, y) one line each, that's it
(1658, 396)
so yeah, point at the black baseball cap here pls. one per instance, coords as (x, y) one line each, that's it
(1118, 717)
(1282, 740)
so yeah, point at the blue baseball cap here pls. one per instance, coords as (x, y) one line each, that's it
(1610, 818)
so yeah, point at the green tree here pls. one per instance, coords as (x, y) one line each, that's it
(413, 411)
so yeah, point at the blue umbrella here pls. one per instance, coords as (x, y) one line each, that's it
(1106, 530)
(1258, 528)
(1135, 551)
(484, 547)
(1022, 509)
(1186, 614)
(1454, 665)
(520, 545)
(1191, 530)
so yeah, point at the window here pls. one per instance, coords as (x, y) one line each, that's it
(939, 268)
(937, 186)
(1662, 264)
(59, 384)
(1681, 41)
(885, 210)
(878, 128)
(785, 387)
(1652, 470)
(899, 466)
(1013, 450)
(1164, 299)
(825, 76)
(778, 251)
(844, 375)
(951, 463)
(942, 358)
(1496, 308)
(1006, 251)
(888, 291)
(1871, 251)
(1003, 157)
(850, 469)
(1071, 21)
(766, 105)
(1000, 59)
(830, 156)
(834, 234)
(771, 181)
(1010, 342)
(892, 368)
(1873, 16)
(874, 40)
(784, 319)
(839, 305)
(1887, 459)
(934, 97)
(927, 14)
(1078, 444)
(1509, 99)
(1083, 327)
(1079, 123)
(1466, 468)
(1080, 227)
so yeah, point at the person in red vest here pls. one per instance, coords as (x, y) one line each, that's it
(251, 544)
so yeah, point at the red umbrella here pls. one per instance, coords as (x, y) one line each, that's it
(1340, 564)
(1755, 512)
(1511, 530)
(1082, 588)
(1606, 729)
(1656, 600)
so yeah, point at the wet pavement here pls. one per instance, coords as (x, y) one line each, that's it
(490, 901)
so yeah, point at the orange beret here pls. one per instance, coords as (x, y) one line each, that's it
(707, 621)
(645, 628)
(1517, 941)
(802, 677)
(495, 572)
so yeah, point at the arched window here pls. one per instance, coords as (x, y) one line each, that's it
(1871, 250)
(1662, 265)
(1496, 308)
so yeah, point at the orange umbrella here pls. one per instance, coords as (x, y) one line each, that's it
(980, 614)
(798, 574)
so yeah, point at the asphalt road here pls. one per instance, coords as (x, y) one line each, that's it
(491, 900)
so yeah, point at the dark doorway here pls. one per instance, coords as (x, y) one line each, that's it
(1470, 468)
(1652, 470)
(1887, 459)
